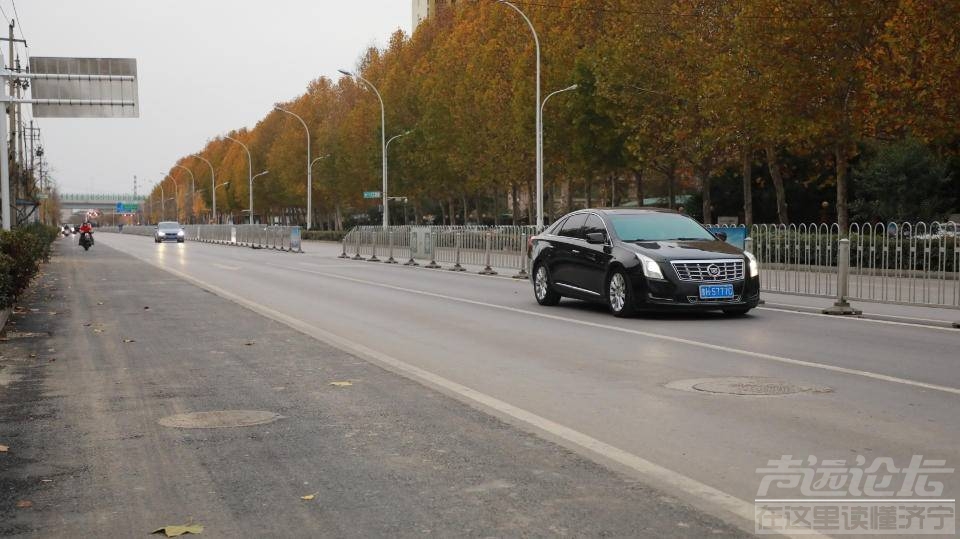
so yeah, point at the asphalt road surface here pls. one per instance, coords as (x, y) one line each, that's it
(107, 351)
(617, 392)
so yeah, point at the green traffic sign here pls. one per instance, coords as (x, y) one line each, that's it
(372, 194)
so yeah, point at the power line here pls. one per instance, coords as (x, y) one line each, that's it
(17, 16)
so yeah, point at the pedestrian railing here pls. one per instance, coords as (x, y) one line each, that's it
(448, 247)
(279, 238)
(903, 263)
(908, 263)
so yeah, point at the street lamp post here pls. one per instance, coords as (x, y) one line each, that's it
(386, 200)
(543, 106)
(176, 194)
(264, 173)
(163, 207)
(213, 180)
(309, 169)
(536, 40)
(383, 141)
(249, 172)
(193, 188)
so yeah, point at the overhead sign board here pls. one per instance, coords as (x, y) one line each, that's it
(123, 207)
(372, 194)
(84, 87)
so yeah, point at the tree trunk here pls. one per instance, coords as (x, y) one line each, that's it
(638, 182)
(671, 197)
(747, 186)
(516, 203)
(569, 195)
(452, 212)
(842, 215)
(531, 204)
(588, 186)
(705, 181)
(777, 178)
(466, 209)
(496, 206)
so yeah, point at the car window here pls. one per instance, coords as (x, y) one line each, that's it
(658, 227)
(573, 226)
(555, 227)
(594, 225)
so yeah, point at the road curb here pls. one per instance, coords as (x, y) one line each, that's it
(945, 324)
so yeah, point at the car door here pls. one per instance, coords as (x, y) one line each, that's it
(590, 260)
(566, 245)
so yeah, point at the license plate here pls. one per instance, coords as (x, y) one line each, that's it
(716, 291)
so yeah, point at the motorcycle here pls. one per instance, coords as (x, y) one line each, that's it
(86, 240)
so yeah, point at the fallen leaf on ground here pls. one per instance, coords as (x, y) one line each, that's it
(99, 303)
(33, 355)
(309, 497)
(4, 449)
(129, 340)
(46, 480)
(146, 308)
(52, 359)
(97, 330)
(88, 324)
(177, 531)
(24, 504)
(251, 343)
(341, 384)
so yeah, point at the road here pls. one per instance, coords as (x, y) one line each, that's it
(107, 351)
(612, 389)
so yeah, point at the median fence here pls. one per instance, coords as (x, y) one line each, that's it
(279, 238)
(902, 263)
(501, 248)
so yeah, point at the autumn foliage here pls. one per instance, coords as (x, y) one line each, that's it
(675, 97)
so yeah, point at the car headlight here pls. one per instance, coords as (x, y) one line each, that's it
(180, 233)
(651, 269)
(752, 262)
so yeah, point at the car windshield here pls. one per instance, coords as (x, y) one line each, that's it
(658, 227)
(169, 226)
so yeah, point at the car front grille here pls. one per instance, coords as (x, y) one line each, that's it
(708, 271)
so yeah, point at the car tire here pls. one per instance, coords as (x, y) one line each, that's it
(620, 294)
(179, 241)
(542, 290)
(735, 312)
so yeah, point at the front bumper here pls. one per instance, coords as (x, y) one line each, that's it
(685, 295)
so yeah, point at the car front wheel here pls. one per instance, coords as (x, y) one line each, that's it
(541, 287)
(620, 294)
(739, 311)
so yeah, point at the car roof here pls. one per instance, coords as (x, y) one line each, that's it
(627, 211)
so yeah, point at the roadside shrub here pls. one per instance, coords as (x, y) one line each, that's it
(21, 253)
(323, 235)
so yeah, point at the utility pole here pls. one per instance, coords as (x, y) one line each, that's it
(12, 115)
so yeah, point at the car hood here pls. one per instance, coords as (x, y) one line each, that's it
(167, 230)
(684, 250)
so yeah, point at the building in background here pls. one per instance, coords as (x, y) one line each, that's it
(424, 9)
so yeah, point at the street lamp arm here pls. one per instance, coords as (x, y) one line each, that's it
(568, 89)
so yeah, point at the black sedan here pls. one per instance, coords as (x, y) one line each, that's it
(646, 259)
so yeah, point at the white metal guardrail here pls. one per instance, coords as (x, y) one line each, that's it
(279, 238)
(901, 263)
(447, 247)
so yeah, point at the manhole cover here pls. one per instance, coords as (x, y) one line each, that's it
(746, 386)
(220, 419)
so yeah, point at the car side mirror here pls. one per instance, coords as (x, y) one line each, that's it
(722, 236)
(596, 238)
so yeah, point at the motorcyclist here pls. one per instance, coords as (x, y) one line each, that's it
(86, 228)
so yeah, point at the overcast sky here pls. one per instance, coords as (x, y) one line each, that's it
(205, 67)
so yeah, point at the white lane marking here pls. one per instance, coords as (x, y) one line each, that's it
(679, 340)
(222, 266)
(716, 500)
(341, 265)
(789, 310)
(873, 320)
